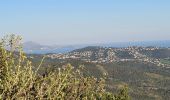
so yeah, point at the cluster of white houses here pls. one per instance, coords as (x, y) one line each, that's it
(106, 55)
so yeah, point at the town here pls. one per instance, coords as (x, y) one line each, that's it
(108, 55)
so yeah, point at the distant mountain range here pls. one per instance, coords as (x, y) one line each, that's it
(35, 48)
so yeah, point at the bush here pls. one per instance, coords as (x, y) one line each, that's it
(20, 80)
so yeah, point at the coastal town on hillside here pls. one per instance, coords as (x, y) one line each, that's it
(108, 55)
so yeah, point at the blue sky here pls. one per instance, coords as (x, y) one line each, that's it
(65, 22)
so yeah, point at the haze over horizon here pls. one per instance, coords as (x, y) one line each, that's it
(87, 21)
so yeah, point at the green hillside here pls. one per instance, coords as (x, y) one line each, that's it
(146, 81)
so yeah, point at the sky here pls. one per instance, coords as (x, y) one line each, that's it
(68, 22)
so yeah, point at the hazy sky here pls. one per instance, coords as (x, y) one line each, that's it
(86, 21)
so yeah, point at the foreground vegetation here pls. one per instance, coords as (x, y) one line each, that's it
(19, 79)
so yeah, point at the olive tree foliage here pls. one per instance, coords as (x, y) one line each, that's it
(18, 80)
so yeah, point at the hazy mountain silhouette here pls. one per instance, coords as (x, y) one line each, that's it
(35, 48)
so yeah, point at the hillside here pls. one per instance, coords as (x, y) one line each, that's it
(147, 79)
(154, 55)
